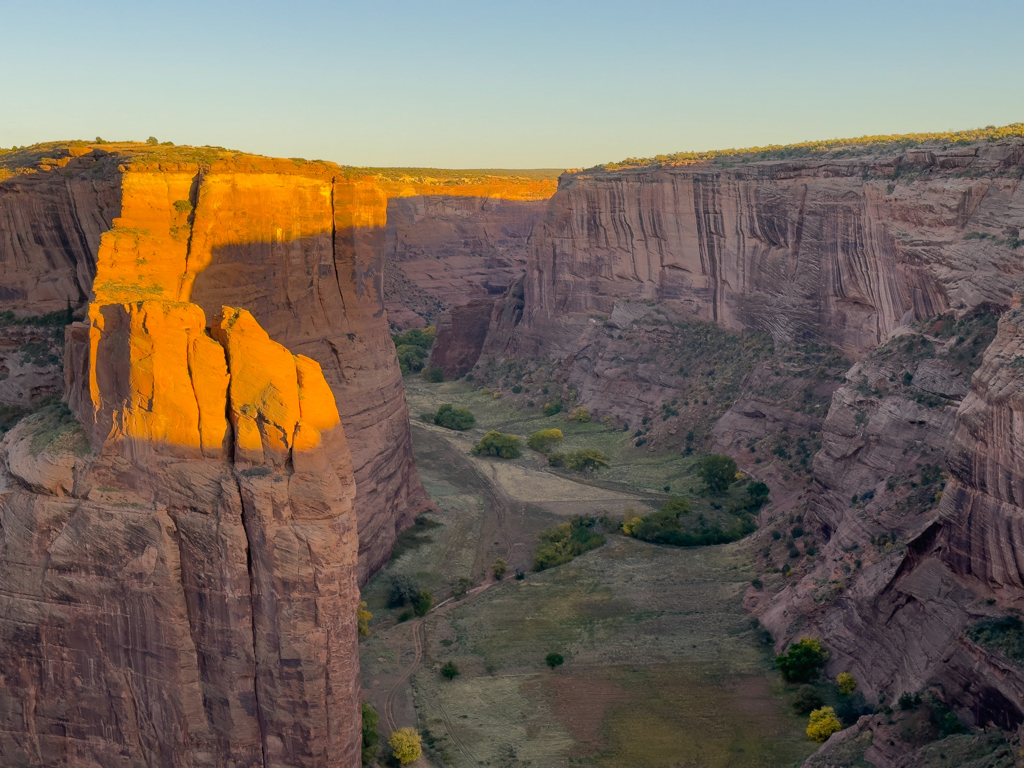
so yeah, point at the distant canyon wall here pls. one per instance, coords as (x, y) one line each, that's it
(444, 251)
(838, 251)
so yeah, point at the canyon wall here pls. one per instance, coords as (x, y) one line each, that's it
(900, 261)
(298, 244)
(841, 251)
(457, 239)
(445, 251)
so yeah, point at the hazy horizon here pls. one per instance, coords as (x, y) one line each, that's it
(534, 86)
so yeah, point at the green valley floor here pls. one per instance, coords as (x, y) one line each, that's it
(662, 667)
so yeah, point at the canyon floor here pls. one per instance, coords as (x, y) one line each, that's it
(662, 665)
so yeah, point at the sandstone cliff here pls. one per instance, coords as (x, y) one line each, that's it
(183, 592)
(841, 250)
(298, 244)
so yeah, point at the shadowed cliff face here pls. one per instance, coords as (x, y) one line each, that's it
(982, 510)
(444, 251)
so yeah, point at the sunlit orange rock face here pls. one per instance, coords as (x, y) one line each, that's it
(185, 592)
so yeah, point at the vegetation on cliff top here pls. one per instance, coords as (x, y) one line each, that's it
(861, 145)
(512, 184)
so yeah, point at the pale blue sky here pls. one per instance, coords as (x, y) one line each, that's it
(512, 84)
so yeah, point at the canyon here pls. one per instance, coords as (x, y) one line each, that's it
(208, 449)
(895, 260)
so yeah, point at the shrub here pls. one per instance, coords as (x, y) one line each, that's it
(499, 569)
(401, 590)
(580, 414)
(556, 459)
(555, 406)
(450, 417)
(807, 700)
(1005, 634)
(544, 440)
(370, 736)
(908, 701)
(405, 745)
(757, 496)
(462, 586)
(554, 660)
(803, 662)
(845, 683)
(562, 543)
(434, 375)
(494, 443)
(416, 337)
(823, 724)
(586, 460)
(718, 472)
(449, 670)
(664, 527)
(677, 506)
(152, 141)
(423, 603)
(183, 206)
(363, 617)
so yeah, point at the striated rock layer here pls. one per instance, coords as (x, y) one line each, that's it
(299, 245)
(184, 592)
(842, 251)
(444, 251)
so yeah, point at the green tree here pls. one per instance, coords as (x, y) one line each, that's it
(410, 358)
(718, 472)
(434, 374)
(554, 659)
(823, 724)
(363, 617)
(586, 460)
(401, 590)
(423, 603)
(499, 569)
(565, 541)
(496, 444)
(449, 417)
(803, 661)
(449, 670)
(370, 736)
(152, 141)
(544, 440)
(846, 683)
(405, 745)
(757, 495)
